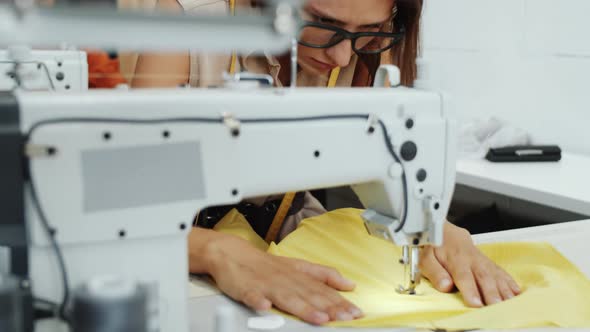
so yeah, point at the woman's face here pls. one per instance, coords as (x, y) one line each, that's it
(351, 15)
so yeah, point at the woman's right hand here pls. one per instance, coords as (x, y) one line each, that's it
(260, 280)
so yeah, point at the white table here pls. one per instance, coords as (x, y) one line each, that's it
(564, 185)
(571, 239)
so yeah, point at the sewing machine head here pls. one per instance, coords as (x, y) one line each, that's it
(36, 70)
(394, 146)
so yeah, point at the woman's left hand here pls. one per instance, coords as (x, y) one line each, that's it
(459, 263)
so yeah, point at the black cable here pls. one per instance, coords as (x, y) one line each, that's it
(118, 121)
(307, 118)
(64, 274)
(404, 180)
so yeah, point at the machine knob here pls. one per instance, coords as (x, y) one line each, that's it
(409, 151)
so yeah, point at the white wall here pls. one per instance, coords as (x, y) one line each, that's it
(525, 61)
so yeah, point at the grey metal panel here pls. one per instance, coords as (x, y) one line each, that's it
(140, 176)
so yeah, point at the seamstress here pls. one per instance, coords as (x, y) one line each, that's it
(330, 54)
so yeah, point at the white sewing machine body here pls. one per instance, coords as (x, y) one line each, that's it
(129, 171)
(59, 70)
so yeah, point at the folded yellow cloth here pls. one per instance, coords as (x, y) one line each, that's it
(236, 224)
(555, 292)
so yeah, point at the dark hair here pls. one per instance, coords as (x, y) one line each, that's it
(402, 54)
(405, 53)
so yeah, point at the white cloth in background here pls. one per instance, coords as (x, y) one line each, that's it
(477, 136)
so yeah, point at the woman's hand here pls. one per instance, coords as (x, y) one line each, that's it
(261, 280)
(459, 263)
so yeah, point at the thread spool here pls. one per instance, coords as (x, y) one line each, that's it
(110, 304)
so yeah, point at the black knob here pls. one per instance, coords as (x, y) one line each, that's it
(409, 151)
(421, 175)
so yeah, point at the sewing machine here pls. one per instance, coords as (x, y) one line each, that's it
(57, 70)
(118, 177)
(96, 213)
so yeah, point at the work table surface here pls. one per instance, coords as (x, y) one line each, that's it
(563, 185)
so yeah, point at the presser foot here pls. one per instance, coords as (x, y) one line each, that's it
(405, 291)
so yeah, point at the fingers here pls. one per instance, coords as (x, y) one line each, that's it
(329, 301)
(336, 306)
(327, 275)
(478, 278)
(466, 283)
(488, 285)
(433, 270)
(301, 289)
(459, 267)
(321, 292)
(514, 286)
(297, 306)
(313, 307)
(326, 298)
(509, 282)
(507, 286)
(261, 280)
(504, 289)
(482, 282)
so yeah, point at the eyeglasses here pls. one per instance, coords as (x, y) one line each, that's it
(319, 35)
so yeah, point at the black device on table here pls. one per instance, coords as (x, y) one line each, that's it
(525, 153)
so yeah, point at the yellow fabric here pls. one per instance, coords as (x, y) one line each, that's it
(236, 224)
(555, 292)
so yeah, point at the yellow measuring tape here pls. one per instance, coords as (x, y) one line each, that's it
(334, 74)
(234, 56)
(279, 219)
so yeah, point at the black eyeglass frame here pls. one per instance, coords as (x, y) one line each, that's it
(352, 36)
